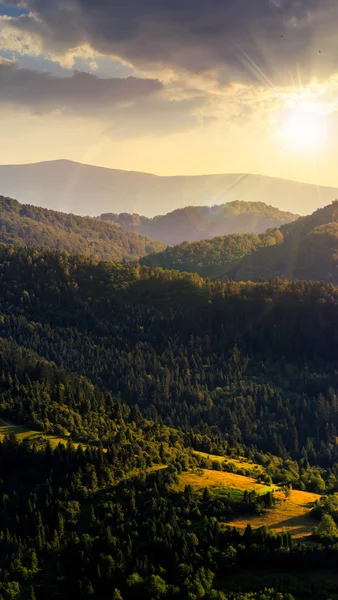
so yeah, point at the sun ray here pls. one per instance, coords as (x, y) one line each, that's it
(303, 129)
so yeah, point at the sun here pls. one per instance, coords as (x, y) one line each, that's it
(303, 129)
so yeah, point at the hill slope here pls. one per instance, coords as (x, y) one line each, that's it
(195, 223)
(209, 258)
(221, 358)
(114, 356)
(304, 249)
(308, 250)
(32, 226)
(83, 189)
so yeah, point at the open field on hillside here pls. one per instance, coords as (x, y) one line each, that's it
(239, 463)
(220, 481)
(290, 514)
(22, 433)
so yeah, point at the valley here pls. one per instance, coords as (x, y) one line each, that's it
(148, 412)
(168, 300)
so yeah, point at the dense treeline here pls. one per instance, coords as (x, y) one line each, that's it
(251, 364)
(308, 251)
(209, 258)
(66, 532)
(305, 249)
(195, 223)
(48, 398)
(140, 365)
(25, 225)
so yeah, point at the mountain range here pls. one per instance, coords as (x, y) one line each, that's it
(195, 223)
(113, 240)
(304, 249)
(88, 190)
(164, 436)
(24, 225)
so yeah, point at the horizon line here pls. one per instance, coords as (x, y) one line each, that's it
(149, 174)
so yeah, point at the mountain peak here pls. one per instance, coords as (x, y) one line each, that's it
(83, 189)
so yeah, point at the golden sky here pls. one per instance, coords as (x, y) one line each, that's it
(172, 87)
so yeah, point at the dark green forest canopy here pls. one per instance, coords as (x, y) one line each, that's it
(309, 251)
(250, 363)
(25, 225)
(209, 258)
(304, 249)
(141, 365)
(68, 530)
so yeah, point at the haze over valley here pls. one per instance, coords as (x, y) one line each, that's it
(168, 300)
(87, 190)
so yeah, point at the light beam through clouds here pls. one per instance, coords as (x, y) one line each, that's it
(220, 83)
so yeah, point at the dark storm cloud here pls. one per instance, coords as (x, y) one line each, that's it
(81, 92)
(232, 36)
(130, 106)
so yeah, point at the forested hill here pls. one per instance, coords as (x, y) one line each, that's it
(32, 226)
(195, 223)
(222, 358)
(308, 250)
(304, 249)
(142, 366)
(209, 258)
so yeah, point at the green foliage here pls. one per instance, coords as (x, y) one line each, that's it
(326, 505)
(146, 539)
(141, 365)
(25, 225)
(195, 223)
(304, 249)
(326, 528)
(235, 363)
(308, 251)
(208, 258)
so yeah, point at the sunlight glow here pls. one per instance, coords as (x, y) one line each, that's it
(304, 129)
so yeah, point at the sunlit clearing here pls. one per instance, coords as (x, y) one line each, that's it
(304, 129)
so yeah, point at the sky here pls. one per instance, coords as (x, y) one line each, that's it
(172, 87)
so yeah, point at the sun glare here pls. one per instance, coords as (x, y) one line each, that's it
(304, 129)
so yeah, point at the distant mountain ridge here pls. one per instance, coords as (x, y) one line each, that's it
(25, 225)
(195, 223)
(88, 190)
(304, 249)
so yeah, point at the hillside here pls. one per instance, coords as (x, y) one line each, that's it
(24, 225)
(308, 249)
(193, 407)
(209, 258)
(304, 249)
(87, 190)
(197, 223)
(196, 348)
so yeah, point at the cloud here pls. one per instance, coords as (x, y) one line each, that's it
(194, 62)
(80, 93)
(129, 107)
(241, 39)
